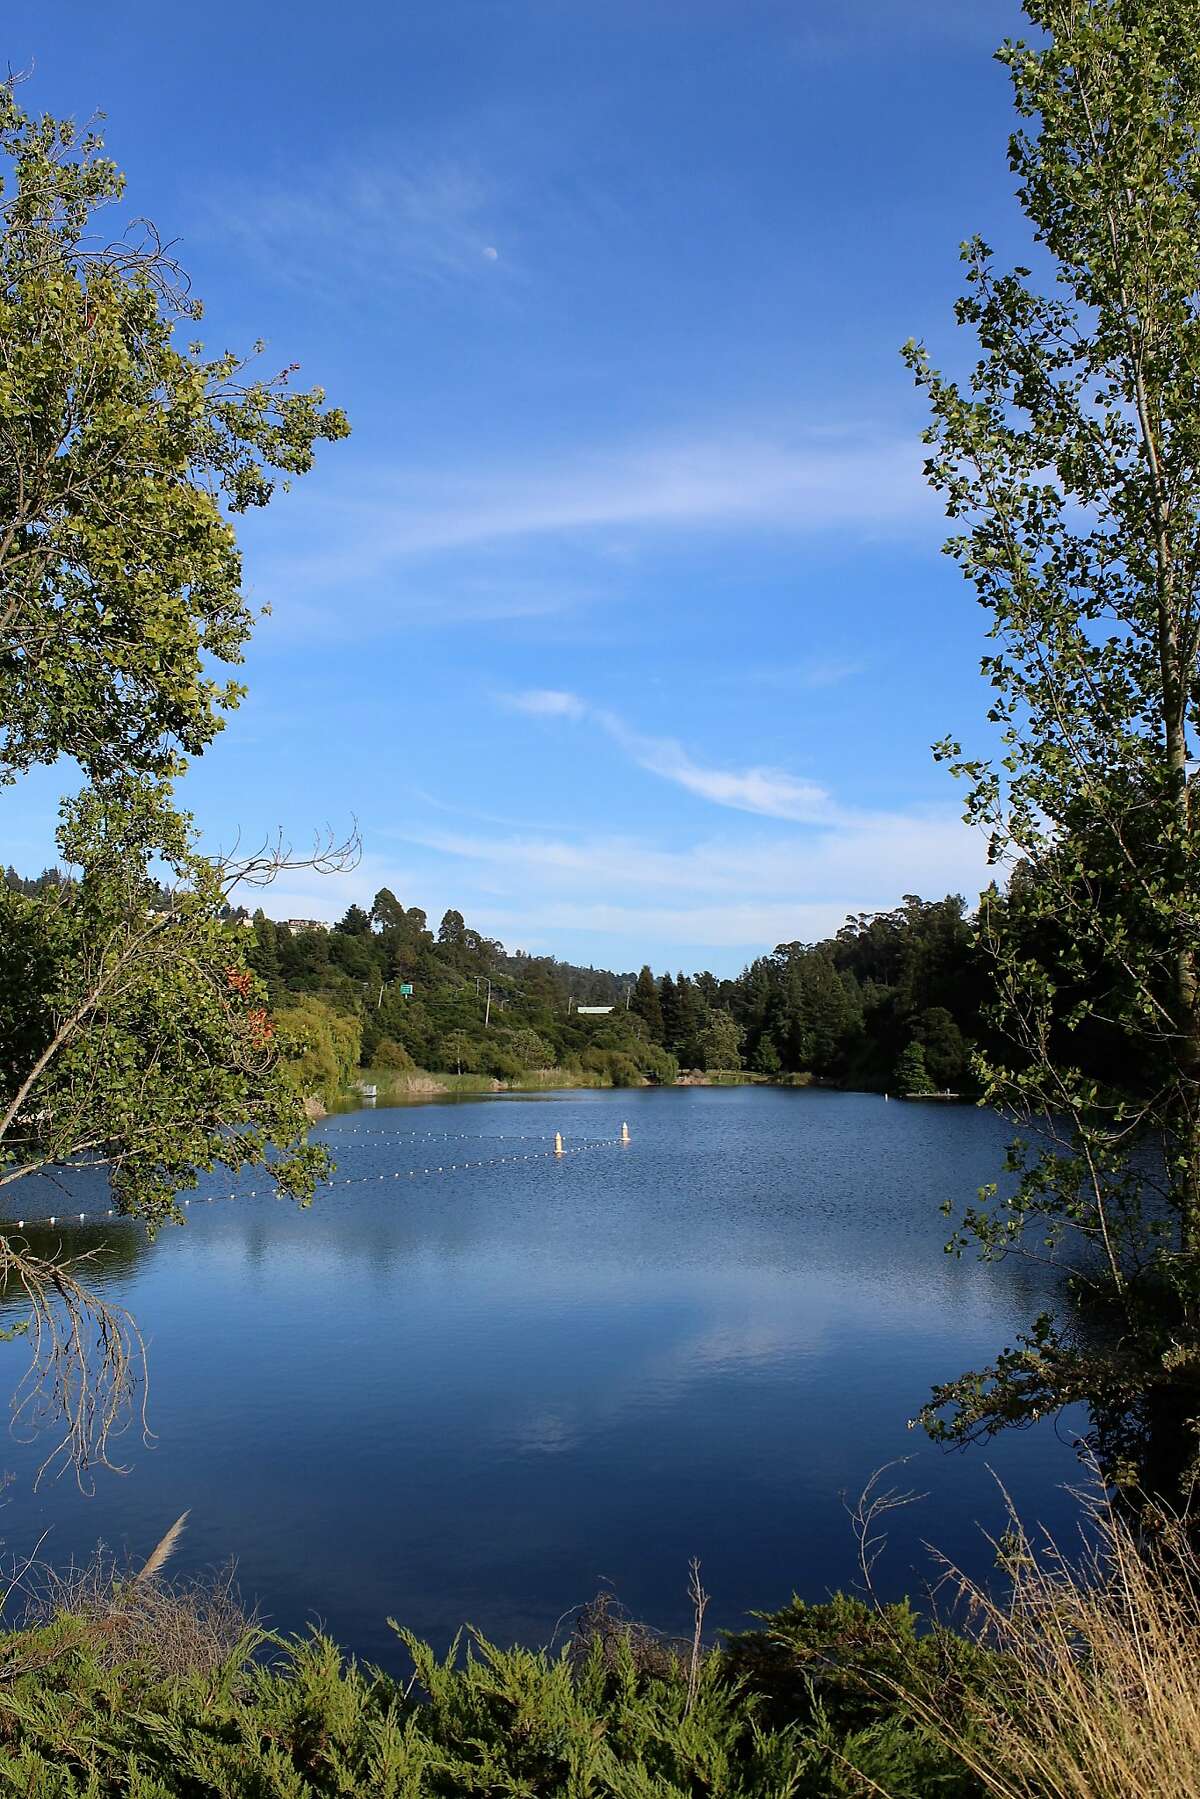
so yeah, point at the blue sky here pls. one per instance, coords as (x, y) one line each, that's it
(620, 622)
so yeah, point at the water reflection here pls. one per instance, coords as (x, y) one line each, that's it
(474, 1395)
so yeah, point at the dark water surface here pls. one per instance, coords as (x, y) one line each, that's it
(480, 1394)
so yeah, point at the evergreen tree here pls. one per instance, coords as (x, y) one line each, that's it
(645, 1004)
(670, 1012)
(911, 1074)
(263, 952)
(356, 923)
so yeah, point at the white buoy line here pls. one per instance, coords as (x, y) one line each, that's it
(362, 1130)
(558, 1152)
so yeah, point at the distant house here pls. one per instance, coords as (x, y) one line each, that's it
(305, 924)
(594, 1011)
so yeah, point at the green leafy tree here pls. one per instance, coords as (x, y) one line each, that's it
(721, 1041)
(118, 974)
(122, 453)
(453, 930)
(133, 1031)
(460, 1052)
(321, 1046)
(1070, 461)
(530, 1050)
(386, 911)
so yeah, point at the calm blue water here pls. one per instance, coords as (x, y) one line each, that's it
(480, 1394)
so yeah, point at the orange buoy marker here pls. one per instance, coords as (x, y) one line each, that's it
(558, 1148)
(624, 1133)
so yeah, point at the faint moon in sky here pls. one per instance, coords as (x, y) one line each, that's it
(491, 252)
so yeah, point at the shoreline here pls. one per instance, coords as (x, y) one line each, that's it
(418, 1086)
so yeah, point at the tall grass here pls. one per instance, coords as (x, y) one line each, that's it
(1095, 1692)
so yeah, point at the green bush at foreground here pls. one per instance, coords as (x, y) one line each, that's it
(143, 1700)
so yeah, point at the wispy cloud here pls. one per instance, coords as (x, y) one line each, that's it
(727, 893)
(547, 702)
(389, 216)
(769, 792)
(372, 523)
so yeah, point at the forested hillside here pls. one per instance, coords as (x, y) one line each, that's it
(894, 997)
(892, 1001)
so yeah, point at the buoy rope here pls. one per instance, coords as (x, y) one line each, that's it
(357, 1180)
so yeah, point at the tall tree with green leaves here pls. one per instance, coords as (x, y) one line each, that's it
(133, 1031)
(125, 452)
(1069, 461)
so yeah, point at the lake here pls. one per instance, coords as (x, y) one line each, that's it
(481, 1394)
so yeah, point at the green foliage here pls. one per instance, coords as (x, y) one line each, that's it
(530, 1050)
(321, 1047)
(457, 1051)
(844, 1010)
(721, 1041)
(132, 1032)
(1070, 463)
(944, 1048)
(647, 1005)
(120, 455)
(912, 1076)
(811, 1706)
(861, 1679)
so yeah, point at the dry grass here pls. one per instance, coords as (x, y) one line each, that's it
(1101, 1695)
(604, 1621)
(170, 1630)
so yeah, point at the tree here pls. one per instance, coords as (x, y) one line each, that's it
(262, 953)
(354, 923)
(944, 1048)
(133, 1031)
(911, 1074)
(458, 1051)
(119, 975)
(452, 930)
(121, 455)
(670, 1012)
(529, 1050)
(721, 1042)
(386, 911)
(645, 1004)
(1071, 465)
(321, 1047)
